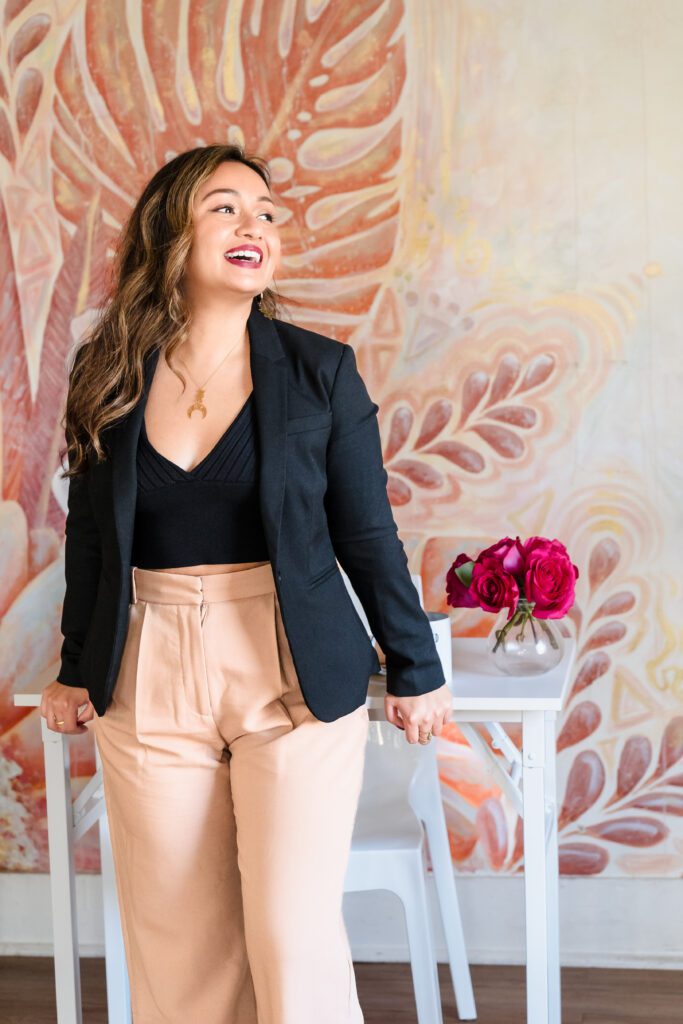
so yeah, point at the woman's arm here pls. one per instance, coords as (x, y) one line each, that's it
(82, 565)
(365, 537)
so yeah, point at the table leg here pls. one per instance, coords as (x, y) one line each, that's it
(535, 869)
(552, 869)
(62, 876)
(118, 988)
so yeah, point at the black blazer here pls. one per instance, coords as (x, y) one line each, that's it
(323, 498)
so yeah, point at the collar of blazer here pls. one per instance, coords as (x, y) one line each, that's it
(269, 379)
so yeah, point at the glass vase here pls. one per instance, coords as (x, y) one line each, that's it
(524, 645)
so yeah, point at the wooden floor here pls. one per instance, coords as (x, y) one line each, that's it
(386, 994)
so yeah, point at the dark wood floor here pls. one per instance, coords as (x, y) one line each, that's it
(386, 994)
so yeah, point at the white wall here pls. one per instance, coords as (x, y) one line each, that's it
(604, 922)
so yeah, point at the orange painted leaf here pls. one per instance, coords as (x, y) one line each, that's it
(517, 416)
(630, 831)
(459, 454)
(419, 473)
(582, 722)
(503, 441)
(399, 431)
(472, 394)
(595, 666)
(663, 803)
(504, 381)
(633, 763)
(603, 561)
(585, 783)
(582, 859)
(435, 421)
(493, 833)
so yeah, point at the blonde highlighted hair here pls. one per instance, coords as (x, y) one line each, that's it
(146, 308)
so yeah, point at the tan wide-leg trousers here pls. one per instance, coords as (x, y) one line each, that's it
(230, 807)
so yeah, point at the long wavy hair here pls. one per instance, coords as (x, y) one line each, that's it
(145, 307)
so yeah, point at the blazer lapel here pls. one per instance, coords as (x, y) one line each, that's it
(268, 365)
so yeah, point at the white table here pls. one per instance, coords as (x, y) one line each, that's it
(481, 694)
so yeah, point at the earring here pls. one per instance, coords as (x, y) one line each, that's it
(263, 309)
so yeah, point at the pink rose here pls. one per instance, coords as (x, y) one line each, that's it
(549, 577)
(458, 595)
(510, 552)
(493, 586)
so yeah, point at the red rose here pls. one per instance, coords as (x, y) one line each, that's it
(493, 586)
(458, 595)
(510, 552)
(549, 577)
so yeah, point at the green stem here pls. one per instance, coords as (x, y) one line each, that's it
(533, 628)
(549, 633)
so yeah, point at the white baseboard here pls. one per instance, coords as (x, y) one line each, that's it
(604, 922)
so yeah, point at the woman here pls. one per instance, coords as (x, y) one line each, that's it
(208, 633)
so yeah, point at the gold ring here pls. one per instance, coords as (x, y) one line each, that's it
(59, 723)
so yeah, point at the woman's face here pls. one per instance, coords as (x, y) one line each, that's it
(236, 244)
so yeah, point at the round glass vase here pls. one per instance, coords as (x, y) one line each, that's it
(524, 645)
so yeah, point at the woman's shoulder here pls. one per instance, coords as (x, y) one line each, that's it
(309, 343)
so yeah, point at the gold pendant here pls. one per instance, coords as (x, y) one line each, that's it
(197, 404)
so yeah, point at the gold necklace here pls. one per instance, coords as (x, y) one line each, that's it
(198, 403)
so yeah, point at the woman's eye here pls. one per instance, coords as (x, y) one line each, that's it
(231, 208)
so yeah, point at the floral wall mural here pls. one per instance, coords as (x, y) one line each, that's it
(480, 197)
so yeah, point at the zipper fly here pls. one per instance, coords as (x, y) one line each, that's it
(203, 608)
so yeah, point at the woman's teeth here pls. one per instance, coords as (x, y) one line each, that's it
(247, 255)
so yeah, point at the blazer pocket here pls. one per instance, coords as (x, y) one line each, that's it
(316, 421)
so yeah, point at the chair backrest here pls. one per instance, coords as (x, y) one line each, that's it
(415, 577)
(390, 761)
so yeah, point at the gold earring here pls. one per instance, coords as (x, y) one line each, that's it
(263, 309)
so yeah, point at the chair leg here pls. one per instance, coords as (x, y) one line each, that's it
(449, 908)
(62, 876)
(118, 987)
(413, 894)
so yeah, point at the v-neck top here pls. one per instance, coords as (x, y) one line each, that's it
(209, 514)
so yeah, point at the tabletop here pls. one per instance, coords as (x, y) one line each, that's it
(478, 686)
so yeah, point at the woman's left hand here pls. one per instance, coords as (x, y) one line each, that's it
(418, 716)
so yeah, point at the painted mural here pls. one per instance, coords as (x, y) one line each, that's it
(481, 198)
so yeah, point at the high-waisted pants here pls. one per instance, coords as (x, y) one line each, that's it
(230, 809)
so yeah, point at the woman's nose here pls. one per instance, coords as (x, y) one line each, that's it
(250, 226)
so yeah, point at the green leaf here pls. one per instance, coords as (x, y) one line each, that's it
(464, 573)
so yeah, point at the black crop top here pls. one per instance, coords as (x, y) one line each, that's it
(206, 515)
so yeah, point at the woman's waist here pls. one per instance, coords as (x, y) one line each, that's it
(176, 586)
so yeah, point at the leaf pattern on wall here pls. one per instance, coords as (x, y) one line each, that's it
(585, 783)
(327, 117)
(634, 760)
(15, 394)
(19, 98)
(492, 831)
(582, 721)
(443, 455)
(135, 83)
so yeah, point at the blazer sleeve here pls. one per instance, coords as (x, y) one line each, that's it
(82, 565)
(365, 537)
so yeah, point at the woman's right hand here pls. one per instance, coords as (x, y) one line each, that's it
(62, 703)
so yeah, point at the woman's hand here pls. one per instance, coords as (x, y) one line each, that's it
(427, 713)
(63, 703)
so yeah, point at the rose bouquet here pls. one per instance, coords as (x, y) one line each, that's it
(533, 580)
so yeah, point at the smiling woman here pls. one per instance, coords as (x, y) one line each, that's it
(208, 633)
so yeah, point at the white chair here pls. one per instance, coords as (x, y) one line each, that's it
(401, 793)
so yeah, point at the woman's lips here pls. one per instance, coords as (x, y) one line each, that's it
(249, 256)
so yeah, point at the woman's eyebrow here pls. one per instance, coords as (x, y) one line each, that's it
(234, 192)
